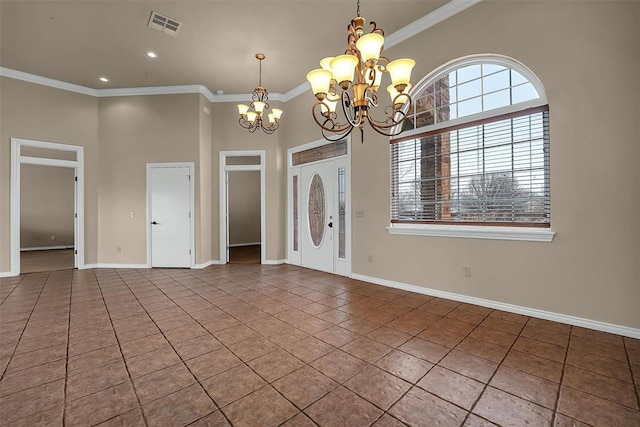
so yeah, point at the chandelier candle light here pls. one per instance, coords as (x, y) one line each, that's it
(353, 79)
(253, 120)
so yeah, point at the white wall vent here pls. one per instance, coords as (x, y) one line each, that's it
(164, 23)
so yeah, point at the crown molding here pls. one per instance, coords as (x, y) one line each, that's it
(45, 81)
(444, 12)
(132, 91)
(157, 90)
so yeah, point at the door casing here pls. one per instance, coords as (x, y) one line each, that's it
(18, 159)
(341, 266)
(224, 169)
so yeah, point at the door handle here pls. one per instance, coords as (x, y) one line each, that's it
(155, 223)
(330, 225)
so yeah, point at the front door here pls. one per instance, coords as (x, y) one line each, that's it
(170, 216)
(318, 216)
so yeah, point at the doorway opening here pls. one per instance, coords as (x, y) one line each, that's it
(46, 218)
(243, 199)
(242, 207)
(47, 206)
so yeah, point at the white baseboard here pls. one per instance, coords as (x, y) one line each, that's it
(207, 264)
(237, 245)
(7, 274)
(273, 261)
(107, 265)
(541, 314)
(45, 248)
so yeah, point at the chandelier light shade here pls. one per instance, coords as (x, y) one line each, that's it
(353, 80)
(252, 120)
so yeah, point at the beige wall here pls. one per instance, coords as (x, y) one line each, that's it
(204, 186)
(134, 131)
(587, 56)
(41, 113)
(244, 207)
(46, 206)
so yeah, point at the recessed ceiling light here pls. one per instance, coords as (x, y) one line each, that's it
(104, 79)
(152, 54)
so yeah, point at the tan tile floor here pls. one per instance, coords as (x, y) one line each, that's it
(251, 345)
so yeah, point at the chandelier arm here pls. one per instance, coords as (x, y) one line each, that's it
(373, 99)
(384, 130)
(353, 117)
(375, 29)
(396, 117)
(336, 136)
(269, 129)
(243, 122)
(335, 127)
(383, 59)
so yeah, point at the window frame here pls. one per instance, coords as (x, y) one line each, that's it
(512, 231)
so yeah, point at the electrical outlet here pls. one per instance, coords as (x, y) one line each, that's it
(132, 214)
(119, 249)
(53, 237)
(467, 271)
(370, 258)
(360, 213)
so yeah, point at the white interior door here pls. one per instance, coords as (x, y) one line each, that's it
(170, 216)
(318, 216)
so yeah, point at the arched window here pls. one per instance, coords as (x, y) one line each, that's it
(476, 150)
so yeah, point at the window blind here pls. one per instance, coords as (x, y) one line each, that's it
(492, 171)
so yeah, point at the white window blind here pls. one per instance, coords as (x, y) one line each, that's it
(493, 171)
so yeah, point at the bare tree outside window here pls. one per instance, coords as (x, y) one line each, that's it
(493, 197)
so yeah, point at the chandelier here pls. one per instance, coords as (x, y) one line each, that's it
(253, 120)
(353, 79)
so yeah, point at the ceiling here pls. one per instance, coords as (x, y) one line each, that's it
(79, 41)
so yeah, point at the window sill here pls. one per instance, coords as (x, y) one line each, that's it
(473, 232)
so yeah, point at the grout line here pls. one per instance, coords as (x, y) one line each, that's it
(13, 353)
(21, 278)
(66, 362)
(564, 365)
(268, 383)
(486, 385)
(197, 381)
(144, 418)
(636, 387)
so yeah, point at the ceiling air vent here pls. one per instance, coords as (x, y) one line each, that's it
(164, 23)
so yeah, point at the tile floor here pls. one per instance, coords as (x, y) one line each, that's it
(279, 345)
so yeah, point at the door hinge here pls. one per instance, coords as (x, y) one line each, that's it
(189, 214)
(76, 178)
(75, 215)
(75, 252)
(189, 177)
(189, 251)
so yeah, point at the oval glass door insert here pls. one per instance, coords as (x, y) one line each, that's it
(316, 210)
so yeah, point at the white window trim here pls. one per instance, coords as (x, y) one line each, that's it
(528, 234)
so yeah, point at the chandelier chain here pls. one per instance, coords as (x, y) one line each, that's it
(358, 9)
